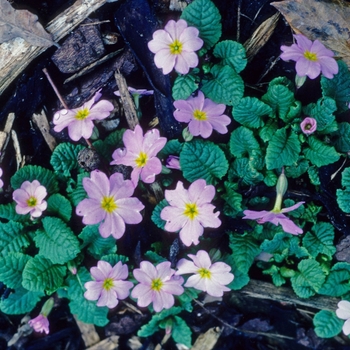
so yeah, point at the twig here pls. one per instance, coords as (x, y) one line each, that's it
(19, 159)
(64, 104)
(239, 20)
(41, 122)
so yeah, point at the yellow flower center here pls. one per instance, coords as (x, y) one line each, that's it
(204, 273)
(82, 114)
(31, 202)
(141, 160)
(191, 210)
(310, 56)
(157, 284)
(108, 283)
(175, 47)
(108, 204)
(199, 115)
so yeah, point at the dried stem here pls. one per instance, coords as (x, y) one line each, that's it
(64, 104)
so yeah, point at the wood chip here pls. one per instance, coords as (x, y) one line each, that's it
(5, 134)
(40, 120)
(110, 343)
(88, 333)
(208, 340)
(19, 159)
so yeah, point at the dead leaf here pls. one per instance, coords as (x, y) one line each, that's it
(327, 21)
(23, 24)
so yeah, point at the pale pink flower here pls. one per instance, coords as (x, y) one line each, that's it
(30, 199)
(157, 285)
(308, 126)
(109, 286)
(80, 120)
(1, 182)
(276, 218)
(140, 153)
(343, 312)
(190, 211)
(208, 277)
(173, 162)
(40, 324)
(140, 92)
(175, 46)
(109, 203)
(202, 114)
(311, 58)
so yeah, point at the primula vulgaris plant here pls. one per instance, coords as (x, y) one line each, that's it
(274, 138)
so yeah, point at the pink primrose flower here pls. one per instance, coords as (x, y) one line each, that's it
(173, 162)
(308, 126)
(311, 58)
(30, 198)
(202, 114)
(276, 218)
(157, 285)
(208, 277)
(109, 286)
(80, 120)
(343, 312)
(190, 211)
(140, 92)
(109, 203)
(175, 46)
(140, 153)
(1, 182)
(40, 324)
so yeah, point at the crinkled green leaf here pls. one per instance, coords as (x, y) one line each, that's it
(327, 324)
(20, 302)
(322, 111)
(56, 241)
(256, 159)
(204, 15)
(338, 88)
(250, 112)
(345, 177)
(77, 194)
(320, 240)
(274, 272)
(232, 54)
(225, 86)
(241, 278)
(76, 283)
(59, 206)
(64, 158)
(343, 199)
(242, 142)
(41, 274)
(268, 131)
(233, 200)
(313, 173)
(241, 169)
(12, 238)
(30, 173)
(8, 211)
(154, 257)
(11, 268)
(201, 159)
(311, 212)
(342, 141)
(297, 169)
(283, 150)
(280, 99)
(115, 258)
(158, 221)
(172, 147)
(107, 146)
(320, 154)
(97, 245)
(181, 333)
(338, 280)
(309, 278)
(183, 87)
(270, 178)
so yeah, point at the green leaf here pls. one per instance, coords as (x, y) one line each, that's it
(309, 279)
(59, 206)
(327, 324)
(322, 111)
(226, 86)
(78, 193)
(8, 211)
(278, 245)
(241, 169)
(181, 333)
(345, 177)
(249, 112)
(113, 259)
(320, 240)
(154, 257)
(313, 173)
(266, 133)
(20, 302)
(280, 99)
(342, 142)
(233, 200)
(96, 245)
(337, 283)
(242, 142)
(183, 87)
(283, 150)
(56, 241)
(343, 200)
(232, 54)
(75, 283)
(30, 173)
(64, 158)
(172, 147)
(297, 169)
(274, 272)
(320, 154)
(109, 144)
(270, 178)
(241, 278)
(158, 221)
(11, 268)
(41, 274)
(338, 88)
(204, 15)
(12, 238)
(201, 159)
